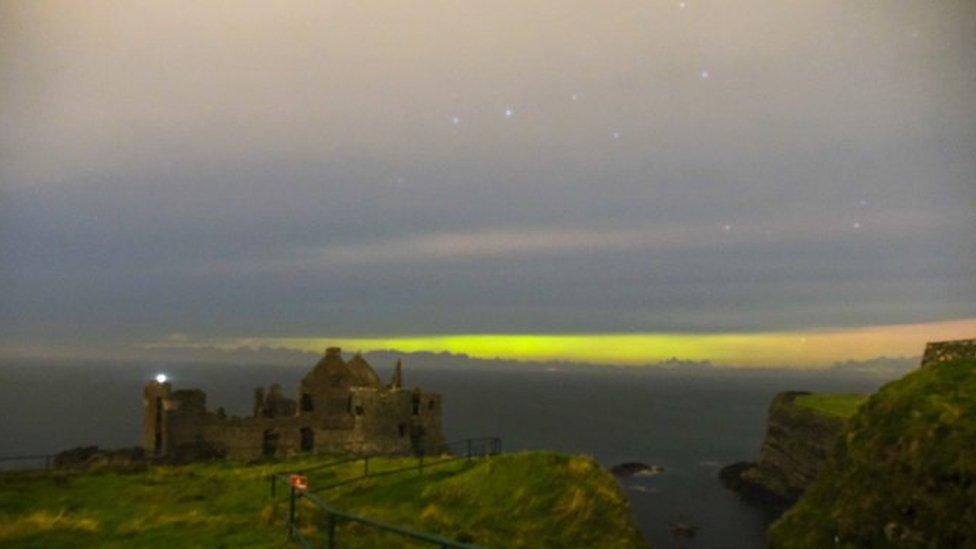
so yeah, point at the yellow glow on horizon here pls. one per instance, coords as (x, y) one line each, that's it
(813, 348)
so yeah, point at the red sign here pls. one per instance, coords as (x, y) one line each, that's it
(300, 482)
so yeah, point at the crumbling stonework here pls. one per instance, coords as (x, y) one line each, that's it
(341, 407)
(944, 351)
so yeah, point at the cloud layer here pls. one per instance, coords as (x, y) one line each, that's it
(347, 169)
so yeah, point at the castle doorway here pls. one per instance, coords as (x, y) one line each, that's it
(270, 445)
(308, 439)
(158, 435)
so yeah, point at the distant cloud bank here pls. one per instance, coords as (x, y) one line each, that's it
(810, 349)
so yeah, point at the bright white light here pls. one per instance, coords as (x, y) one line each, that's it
(704, 74)
(616, 135)
(161, 378)
(857, 225)
(455, 120)
(509, 113)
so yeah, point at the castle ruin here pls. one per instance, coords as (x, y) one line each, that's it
(341, 407)
(937, 352)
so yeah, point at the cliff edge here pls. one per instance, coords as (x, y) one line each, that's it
(801, 430)
(904, 472)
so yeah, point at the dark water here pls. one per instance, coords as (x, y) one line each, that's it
(689, 423)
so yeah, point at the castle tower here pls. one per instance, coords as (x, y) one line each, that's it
(397, 381)
(155, 425)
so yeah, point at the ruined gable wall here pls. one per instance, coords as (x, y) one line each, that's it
(428, 422)
(330, 407)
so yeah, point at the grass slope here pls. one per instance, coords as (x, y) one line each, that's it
(840, 405)
(533, 499)
(904, 473)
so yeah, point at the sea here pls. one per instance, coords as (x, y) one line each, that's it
(691, 422)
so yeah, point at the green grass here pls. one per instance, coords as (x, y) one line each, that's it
(841, 405)
(904, 472)
(537, 499)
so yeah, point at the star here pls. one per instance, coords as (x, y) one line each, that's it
(575, 97)
(857, 225)
(455, 120)
(616, 135)
(509, 112)
(704, 74)
(727, 228)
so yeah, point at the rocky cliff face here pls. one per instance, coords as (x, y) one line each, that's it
(798, 441)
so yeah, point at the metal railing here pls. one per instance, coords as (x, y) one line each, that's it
(472, 448)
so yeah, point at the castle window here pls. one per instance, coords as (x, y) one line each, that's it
(402, 428)
(307, 405)
(308, 439)
(431, 404)
(270, 443)
(360, 411)
(349, 404)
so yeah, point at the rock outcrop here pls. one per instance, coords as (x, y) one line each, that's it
(636, 468)
(93, 457)
(798, 441)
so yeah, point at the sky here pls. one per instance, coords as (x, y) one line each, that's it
(634, 180)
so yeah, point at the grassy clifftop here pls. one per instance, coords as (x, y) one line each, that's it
(840, 405)
(533, 499)
(903, 473)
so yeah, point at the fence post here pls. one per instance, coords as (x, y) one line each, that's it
(291, 513)
(331, 537)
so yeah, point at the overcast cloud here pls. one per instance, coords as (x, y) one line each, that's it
(348, 168)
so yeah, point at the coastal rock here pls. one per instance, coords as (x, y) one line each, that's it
(751, 490)
(636, 468)
(92, 458)
(74, 458)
